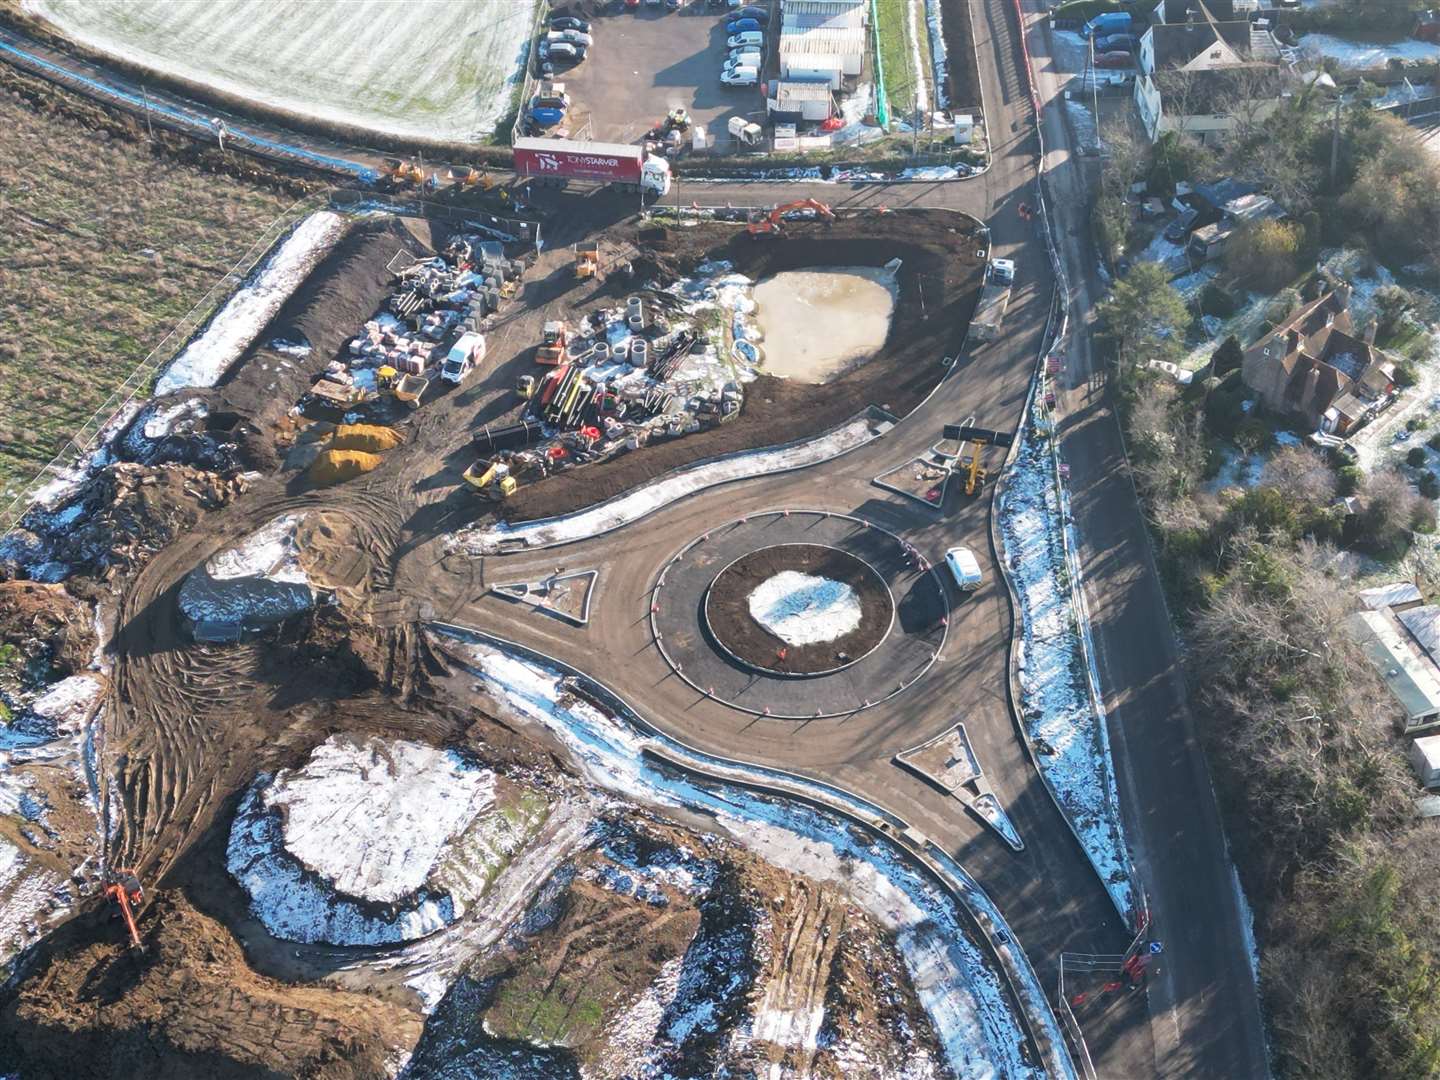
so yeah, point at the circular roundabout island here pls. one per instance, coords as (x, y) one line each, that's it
(798, 614)
(799, 609)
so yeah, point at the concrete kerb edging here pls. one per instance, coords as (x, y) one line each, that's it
(890, 596)
(837, 801)
(818, 715)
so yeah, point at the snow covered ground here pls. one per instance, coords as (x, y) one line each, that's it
(646, 500)
(801, 609)
(957, 985)
(260, 580)
(371, 842)
(206, 359)
(1368, 54)
(1072, 745)
(435, 69)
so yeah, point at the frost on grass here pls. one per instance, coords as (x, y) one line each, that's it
(1072, 748)
(208, 357)
(371, 842)
(802, 609)
(957, 985)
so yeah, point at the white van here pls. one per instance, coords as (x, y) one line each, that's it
(965, 567)
(749, 39)
(740, 76)
(744, 58)
(467, 352)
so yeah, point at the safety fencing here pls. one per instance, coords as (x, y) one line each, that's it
(70, 459)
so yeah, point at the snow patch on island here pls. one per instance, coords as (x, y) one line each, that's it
(802, 609)
(259, 581)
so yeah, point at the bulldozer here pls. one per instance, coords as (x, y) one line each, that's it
(491, 479)
(587, 262)
(124, 889)
(398, 173)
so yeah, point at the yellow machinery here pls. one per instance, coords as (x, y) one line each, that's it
(468, 176)
(491, 479)
(400, 172)
(525, 387)
(974, 473)
(587, 261)
(973, 441)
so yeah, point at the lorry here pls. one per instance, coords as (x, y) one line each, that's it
(994, 298)
(555, 162)
(464, 356)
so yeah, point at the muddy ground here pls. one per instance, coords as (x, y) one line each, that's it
(939, 283)
(727, 609)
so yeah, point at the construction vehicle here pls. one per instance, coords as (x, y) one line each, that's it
(467, 176)
(396, 172)
(587, 261)
(123, 888)
(676, 120)
(407, 389)
(770, 224)
(994, 299)
(974, 440)
(746, 131)
(525, 387)
(552, 348)
(492, 479)
(555, 162)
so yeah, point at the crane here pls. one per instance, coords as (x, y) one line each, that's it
(123, 887)
(770, 224)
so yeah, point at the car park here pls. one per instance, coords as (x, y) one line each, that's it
(567, 22)
(740, 76)
(751, 38)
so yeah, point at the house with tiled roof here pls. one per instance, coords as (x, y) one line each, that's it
(1314, 366)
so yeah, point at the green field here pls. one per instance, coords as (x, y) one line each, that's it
(898, 56)
(105, 246)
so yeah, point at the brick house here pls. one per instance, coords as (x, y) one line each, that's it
(1316, 367)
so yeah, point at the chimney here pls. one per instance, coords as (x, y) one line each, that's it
(1292, 341)
(1342, 294)
(1371, 326)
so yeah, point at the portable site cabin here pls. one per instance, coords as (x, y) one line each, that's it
(1425, 760)
(848, 45)
(811, 68)
(792, 102)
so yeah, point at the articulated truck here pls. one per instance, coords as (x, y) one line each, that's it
(555, 162)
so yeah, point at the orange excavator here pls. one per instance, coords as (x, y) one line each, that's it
(770, 225)
(123, 887)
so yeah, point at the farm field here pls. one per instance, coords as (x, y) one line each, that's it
(105, 247)
(437, 69)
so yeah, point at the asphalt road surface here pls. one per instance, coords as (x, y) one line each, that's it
(1200, 1014)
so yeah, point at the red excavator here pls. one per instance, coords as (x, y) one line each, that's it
(770, 225)
(123, 887)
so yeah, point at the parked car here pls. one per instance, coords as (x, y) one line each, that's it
(740, 26)
(737, 64)
(570, 37)
(744, 57)
(569, 22)
(560, 53)
(740, 76)
(759, 14)
(1113, 60)
(1114, 43)
(751, 38)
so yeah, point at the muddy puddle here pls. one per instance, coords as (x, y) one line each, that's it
(820, 323)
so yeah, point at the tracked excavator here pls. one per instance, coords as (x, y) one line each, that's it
(123, 888)
(770, 224)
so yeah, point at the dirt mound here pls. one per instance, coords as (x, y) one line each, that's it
(329, 306)
(372, 438)
(51, 629)
(190, 1006)
(336, 466)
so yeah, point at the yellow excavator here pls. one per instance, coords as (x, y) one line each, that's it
(973, 441)
(975, 473)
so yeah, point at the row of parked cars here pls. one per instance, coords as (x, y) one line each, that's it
(745, 40)
(1113, 39)
(565, 43)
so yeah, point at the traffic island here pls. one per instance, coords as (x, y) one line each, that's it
(865, 597)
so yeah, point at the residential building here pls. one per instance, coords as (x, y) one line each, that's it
(1313, 366)
(1403, 661)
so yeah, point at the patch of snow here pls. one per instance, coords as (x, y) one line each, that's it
(802, 609)
(269, 552)
(258, 581)
(1237, 470)
(957, 985)
(643, 501)
(939, 59)
(206, 359)
(1365, 54)
(1247, 923)
(1056, 678)
(1082, 121)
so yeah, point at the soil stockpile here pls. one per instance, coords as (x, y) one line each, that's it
(729, 609)
(939, 282)
(189, 1007)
